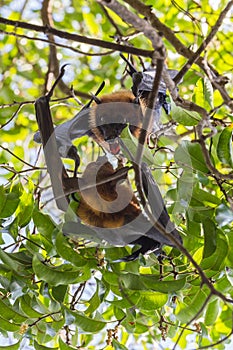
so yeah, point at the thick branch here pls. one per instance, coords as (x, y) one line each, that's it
(77, 38)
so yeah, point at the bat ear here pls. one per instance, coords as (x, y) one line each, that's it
(96, 99)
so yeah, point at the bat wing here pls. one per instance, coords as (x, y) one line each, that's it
(156, 203)
(72, 129)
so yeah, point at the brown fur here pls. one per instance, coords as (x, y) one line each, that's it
(131, 115)
(96, 212)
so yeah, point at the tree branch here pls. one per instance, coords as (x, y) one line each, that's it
(203, 45)
(218, 81)
(77, 38)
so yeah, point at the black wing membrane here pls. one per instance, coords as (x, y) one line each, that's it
(156, 203)
(72, 129)
(142, 86)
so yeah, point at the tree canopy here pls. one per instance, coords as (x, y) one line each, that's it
(65, 292)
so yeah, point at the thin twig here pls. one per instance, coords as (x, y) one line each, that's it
(57, 44)
(21, 160)
(204, 44)
(180, 48)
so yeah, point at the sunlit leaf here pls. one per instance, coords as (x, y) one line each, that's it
(189, 311)
(211, 313)
(183, 116)
(203, 93)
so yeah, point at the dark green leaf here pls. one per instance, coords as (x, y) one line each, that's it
(10, 205)
(215, 261)
(8, 313)
(144, 282)
(25, 304)
(94, 302)
(12, 263)
(210, 238)
(224, 146)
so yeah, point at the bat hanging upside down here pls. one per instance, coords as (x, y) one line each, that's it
(104, 118)
(112, 210)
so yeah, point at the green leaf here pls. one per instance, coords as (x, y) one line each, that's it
(42, 347)
(151, 300)
(10, 204)
(224, 146)
(210, 233)
(8, 326)
(25, 304)
(9, 314)
(190, 155)
(203, 93)
(144, 282)
(25, 208)
(44, 224)
(187, 312)
(131, 143)
(205, 197)
(215, 261)
(183, 116)
(3, 197)
(12, 264)
(212, 312)
(59, 275)
(117, 345)
(64, 346)
(94, 302)
(59, 292)
(67, 252)
(87, 324)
